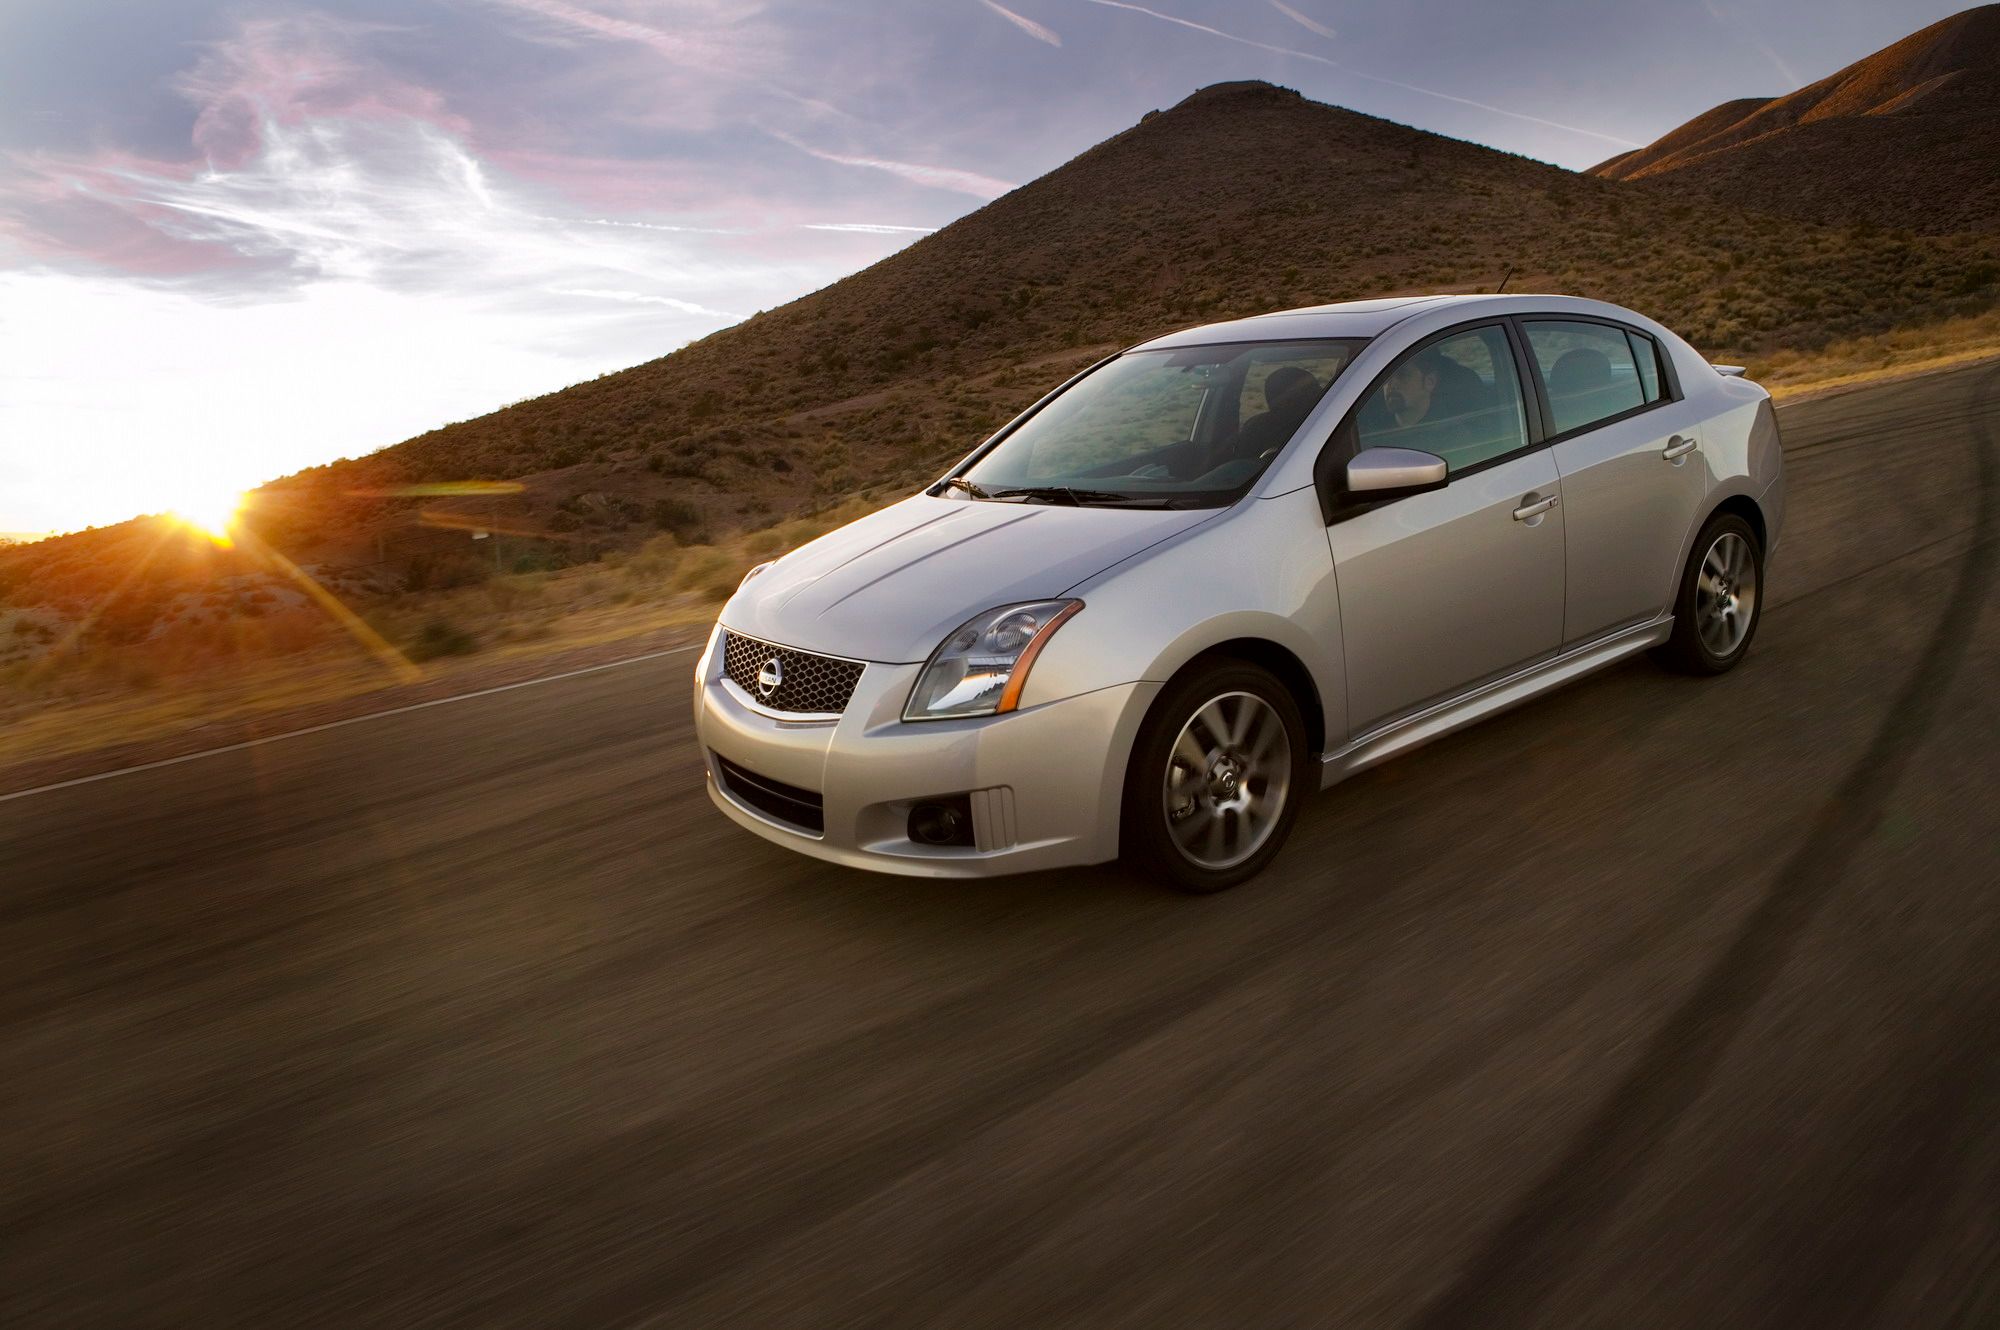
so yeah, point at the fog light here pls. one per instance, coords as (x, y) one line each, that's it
(942, 821)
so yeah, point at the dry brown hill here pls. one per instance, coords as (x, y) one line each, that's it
(1243, 198)
(1907, 137)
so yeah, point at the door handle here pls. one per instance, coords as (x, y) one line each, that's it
(1678, 447)
(1535, 507)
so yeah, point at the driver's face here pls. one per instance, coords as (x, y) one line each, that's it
(1408, 393)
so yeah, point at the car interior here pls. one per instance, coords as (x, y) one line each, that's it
(1474, 412)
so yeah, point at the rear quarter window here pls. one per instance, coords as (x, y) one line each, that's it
(1646, 352)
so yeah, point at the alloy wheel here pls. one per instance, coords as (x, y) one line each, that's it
(1228, 776)
(1726, 595)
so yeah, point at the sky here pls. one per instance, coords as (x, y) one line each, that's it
(242, 237)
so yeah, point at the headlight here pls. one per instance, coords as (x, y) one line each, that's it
(979, 669)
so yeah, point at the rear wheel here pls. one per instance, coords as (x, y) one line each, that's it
(1215, 778)
(1720, 598)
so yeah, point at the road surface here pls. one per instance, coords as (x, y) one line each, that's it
(1654, 1003)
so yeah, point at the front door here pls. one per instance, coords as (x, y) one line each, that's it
(1442, 591)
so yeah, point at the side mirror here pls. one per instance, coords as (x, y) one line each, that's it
(1376, 474)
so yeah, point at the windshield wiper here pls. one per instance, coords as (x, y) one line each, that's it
(961, 483)
(1062, 494)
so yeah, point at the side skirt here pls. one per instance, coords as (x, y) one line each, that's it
(1400, 736)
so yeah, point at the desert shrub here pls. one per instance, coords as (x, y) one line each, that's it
(709, 573)
(1976, 277)
(508, 593)
(441, 637)
(655, 559)
(429, 570)
(682, 518)
(539, 559)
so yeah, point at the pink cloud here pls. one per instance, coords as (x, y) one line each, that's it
(286, 71)
(54, 209)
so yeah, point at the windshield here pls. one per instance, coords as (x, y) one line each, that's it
(1188, 427)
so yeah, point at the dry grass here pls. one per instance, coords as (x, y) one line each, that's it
(1897, 354)
(88, 696)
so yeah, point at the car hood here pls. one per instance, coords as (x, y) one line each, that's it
(891, 585)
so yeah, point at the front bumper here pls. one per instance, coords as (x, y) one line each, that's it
(1044, 781)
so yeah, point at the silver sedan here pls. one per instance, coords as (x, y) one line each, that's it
(1236, 564)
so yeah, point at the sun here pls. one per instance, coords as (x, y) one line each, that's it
(213, 513)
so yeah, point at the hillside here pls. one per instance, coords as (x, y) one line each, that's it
(1907, 137)
(1242, 198)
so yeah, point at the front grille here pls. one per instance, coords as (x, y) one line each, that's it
(773, 798)
(812, 684)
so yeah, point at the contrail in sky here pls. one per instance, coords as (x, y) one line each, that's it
(1776, 60)
(1027, 25)
(1355, 73)
(1300, 19)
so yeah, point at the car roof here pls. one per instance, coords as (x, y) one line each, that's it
(1351, 318)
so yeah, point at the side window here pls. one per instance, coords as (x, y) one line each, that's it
(1647, 352)
(1589, 371)
(1459, 398)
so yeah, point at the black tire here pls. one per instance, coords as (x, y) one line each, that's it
(1709, 638)
(1237, 790)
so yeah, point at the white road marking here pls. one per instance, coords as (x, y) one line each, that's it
(351, 720)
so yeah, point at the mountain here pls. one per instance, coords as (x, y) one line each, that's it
(1907, 137)
(1242, 198)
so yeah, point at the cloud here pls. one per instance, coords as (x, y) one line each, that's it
(680, 47)
(337, 267)
(643, 298)
(650, 226)
(1355, 73)
(1027, 25)
(1213, 32)
(289, 70)
(869, 228)
(1296, 17)
(935, 177)
(709, 40)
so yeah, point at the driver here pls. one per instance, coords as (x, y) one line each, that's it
(1411, 394)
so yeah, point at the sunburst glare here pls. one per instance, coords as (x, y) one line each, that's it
(212, 512)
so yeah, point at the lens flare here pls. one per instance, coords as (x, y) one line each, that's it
(212, 514)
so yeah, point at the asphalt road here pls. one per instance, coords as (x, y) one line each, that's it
(1657, 1002)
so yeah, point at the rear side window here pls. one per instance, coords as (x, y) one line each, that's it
(1459, 398)
(1589, 371)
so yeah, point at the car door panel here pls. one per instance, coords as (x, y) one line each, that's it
(1441, 591)
(1632, 472)
(1628, 506)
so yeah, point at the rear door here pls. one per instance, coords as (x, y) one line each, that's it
(1444, 590)
(1633, 477)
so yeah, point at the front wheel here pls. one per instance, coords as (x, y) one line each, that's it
(1720, 598)
(1215, 778)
